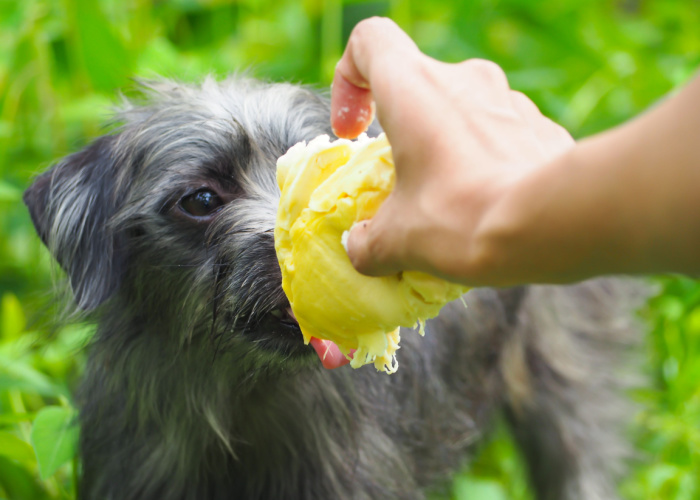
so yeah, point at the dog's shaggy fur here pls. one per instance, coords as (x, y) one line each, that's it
(198, 385)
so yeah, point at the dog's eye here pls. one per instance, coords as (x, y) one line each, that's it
(201, 203)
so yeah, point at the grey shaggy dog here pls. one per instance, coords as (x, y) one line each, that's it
(198, 385)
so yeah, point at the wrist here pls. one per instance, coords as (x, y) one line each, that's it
(564, 221)
(537, 227)
(491, 257)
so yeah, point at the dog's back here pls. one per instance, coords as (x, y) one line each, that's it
(198, 384)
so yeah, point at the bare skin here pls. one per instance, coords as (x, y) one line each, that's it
(491, 192)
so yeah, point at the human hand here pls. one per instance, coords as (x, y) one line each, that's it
(460, 138)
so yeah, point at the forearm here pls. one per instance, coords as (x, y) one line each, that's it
(625, 201)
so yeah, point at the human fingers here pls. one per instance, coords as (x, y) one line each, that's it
(371, 59)
(373, 245)
(352, 108)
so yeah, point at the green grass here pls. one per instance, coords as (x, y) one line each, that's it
(588, 64)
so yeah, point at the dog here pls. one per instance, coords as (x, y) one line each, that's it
(198, 384)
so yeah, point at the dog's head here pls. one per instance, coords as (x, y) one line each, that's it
(172, 215)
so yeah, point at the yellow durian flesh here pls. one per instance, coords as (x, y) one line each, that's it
(327, 186)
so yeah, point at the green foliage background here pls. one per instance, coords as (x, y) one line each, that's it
(589, 64)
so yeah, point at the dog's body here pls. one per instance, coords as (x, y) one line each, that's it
(198, 385)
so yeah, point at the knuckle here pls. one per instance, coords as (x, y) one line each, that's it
(519, 97)
(358, 260)
(524, 104)
(360, 248)
(381, 250)
(376, 247)
(486, 70)
(371, 25)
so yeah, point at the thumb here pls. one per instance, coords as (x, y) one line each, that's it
(369, 249)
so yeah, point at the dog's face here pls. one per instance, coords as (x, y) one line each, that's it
(173, 215)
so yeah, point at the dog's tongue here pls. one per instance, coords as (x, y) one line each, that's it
(328, 353)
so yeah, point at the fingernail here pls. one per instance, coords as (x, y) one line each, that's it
(344, 239)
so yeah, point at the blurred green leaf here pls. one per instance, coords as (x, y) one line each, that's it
(22, 376)
(19, 483)
(12, 317)
(13, 447)
(468, 488)
(9, 192)
(15, 418)
(105, 56)
(54, 437)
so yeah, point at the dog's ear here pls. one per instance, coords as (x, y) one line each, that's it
(71, 206)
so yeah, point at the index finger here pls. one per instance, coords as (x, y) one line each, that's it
(374, 46)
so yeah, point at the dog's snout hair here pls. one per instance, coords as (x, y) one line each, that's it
(198, 384)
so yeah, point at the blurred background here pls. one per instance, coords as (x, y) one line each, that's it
(588, 64)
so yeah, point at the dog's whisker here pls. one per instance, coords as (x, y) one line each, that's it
(218, 278)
